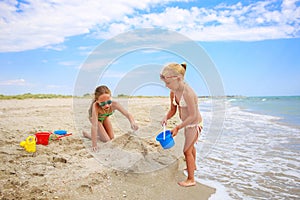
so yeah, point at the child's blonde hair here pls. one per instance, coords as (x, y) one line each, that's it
(174, 69)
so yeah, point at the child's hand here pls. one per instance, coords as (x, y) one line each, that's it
(95, 149)
(134, 126)
(174, 131)
(164, 121)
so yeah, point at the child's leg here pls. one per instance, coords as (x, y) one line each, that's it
(86, 134)
(194, 155)
(191, 136)
(108, 127)
(199, 129)
(103, 135)
(190, 163)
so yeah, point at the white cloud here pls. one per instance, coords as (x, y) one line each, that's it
(113, 74)
(42, 23)
(68, 63)
(48, 23)
(15, 82)
(258, 21)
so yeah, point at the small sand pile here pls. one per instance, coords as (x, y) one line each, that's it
(129, 153)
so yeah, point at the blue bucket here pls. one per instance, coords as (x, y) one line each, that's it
(168, 142)
(60, 132)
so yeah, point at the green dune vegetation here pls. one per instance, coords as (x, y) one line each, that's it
(87, 95)
(33, 96)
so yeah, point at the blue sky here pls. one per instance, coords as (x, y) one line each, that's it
(254, 45)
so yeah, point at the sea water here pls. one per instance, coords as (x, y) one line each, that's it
(287, 108)
(257, 153)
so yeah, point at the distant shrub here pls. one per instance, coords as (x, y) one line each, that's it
(33, 96)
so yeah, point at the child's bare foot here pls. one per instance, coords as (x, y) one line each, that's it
(187, 183)
(85, 134)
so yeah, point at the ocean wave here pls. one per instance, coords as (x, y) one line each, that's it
(255, 156)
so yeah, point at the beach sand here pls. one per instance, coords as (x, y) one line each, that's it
(132, 166)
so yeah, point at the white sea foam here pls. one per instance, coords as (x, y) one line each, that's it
(221, 192)
(254, 158)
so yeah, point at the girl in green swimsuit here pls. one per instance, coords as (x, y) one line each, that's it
(101, 108)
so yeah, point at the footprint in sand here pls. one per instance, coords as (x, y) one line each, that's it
(85, 189)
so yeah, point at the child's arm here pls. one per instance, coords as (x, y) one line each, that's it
(130, 118)
(94, 128)
(172, 110)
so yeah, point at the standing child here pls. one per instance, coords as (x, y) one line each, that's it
(185, 100)
(101, 108)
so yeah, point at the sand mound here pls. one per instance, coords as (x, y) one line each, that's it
(129, 153)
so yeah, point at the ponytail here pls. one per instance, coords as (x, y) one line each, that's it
(183, 65)
(174, 69)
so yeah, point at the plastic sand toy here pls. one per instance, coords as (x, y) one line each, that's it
(29, 144)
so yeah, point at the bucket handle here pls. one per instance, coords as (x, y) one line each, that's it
(164, 135)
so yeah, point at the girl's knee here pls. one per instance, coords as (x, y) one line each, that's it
(105, 140)
(188, 152)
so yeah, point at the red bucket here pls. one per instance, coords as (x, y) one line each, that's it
(42, 138)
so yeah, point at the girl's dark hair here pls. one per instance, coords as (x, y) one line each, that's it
(101, 90)
(98, 92)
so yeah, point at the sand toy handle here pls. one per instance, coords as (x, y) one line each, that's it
(164, 135)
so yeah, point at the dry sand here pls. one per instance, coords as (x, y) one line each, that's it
(132, 166)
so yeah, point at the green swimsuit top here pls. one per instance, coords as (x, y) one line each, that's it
(102, 117)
